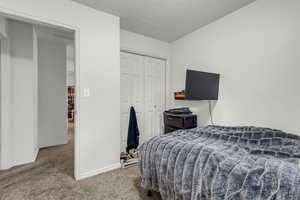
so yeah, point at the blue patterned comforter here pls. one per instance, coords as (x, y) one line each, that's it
(222, 163)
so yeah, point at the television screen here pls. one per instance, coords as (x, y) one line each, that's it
(201, 85)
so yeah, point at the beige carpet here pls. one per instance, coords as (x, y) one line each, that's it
(51, 178)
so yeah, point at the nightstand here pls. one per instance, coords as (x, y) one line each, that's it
(175, 122)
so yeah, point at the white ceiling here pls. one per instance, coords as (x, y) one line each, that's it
(166, 20)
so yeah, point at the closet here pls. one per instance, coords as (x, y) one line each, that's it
(143, 87)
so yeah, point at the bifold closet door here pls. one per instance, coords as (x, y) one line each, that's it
(132, 92)
(143, 87)
(154, 97)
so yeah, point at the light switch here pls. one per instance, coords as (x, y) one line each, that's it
(86, 92)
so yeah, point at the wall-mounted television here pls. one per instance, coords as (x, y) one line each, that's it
(201, 85)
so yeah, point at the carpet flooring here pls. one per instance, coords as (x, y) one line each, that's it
(51, 178)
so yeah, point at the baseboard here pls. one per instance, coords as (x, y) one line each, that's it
(51, 145)
(99, 171)
(28, 161)
(36, 154)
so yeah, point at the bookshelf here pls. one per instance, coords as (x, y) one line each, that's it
(71, 103)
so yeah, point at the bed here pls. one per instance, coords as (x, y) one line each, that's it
(220, 163)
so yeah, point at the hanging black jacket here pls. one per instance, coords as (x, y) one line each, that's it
(133, 131)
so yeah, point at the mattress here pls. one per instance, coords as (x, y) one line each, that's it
(219, 163)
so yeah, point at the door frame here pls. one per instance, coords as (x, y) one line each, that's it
(166, 69)
(76, 31)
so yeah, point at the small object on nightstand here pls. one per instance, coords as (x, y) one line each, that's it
(181, 111)
(175, 122)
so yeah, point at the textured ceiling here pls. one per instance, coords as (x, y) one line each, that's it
(166, 20)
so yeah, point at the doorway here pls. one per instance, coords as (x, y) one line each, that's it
(40, 131)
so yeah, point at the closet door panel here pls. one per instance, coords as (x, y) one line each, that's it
(160, 93)
(132, 92)
(154, 96)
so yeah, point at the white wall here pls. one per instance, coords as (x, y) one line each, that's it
(23, 81)
(6, 88)
(52, 101)
(2, 35)
(256, 50)
(35, 88)
(98, 144)
(3, 32)
(137, 43)
(142, 44)
(70, 65)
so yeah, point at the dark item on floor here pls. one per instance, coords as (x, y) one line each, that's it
(149, 193)
(133, 132)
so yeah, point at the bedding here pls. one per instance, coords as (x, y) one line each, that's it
(222, 163)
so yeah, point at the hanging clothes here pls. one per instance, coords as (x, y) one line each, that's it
(133, 132)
